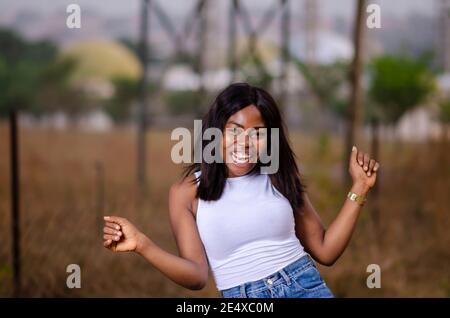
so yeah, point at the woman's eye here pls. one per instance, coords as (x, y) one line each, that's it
(235, 131)
(257, 134)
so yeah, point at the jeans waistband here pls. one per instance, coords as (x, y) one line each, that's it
(284, 275)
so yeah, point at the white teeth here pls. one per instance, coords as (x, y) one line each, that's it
(240, 157)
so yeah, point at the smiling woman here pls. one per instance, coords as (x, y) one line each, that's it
(258, 232)
(243, 111)
(236, 145)
(240, 145)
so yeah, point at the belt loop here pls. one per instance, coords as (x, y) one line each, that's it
(242, 288)
(285, 276)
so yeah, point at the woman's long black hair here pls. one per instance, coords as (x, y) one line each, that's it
(213, 175)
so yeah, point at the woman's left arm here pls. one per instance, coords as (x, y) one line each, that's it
(327, 245)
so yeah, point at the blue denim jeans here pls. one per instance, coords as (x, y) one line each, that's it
(300, 279)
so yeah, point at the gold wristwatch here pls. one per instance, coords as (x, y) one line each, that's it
(360, 199)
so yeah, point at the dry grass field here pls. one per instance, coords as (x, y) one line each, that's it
(61, 202)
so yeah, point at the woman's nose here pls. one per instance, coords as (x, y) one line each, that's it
(243, 139)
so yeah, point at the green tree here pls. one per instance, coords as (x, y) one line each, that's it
(32, 79)
(326, 82)
(21, 66)
(397, 84)
(125, 93)
(444, 117)
(184, 102)
(56, 91)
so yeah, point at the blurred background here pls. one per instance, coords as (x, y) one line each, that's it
(86, 115)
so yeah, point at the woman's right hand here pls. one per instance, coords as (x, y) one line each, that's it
(120, 235)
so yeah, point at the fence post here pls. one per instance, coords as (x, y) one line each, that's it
(100, 204)
(15, 198)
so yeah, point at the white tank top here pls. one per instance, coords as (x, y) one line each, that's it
(249, 233)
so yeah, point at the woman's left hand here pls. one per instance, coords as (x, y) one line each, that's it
(363, 169)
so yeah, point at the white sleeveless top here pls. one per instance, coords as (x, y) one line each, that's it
(249, 233)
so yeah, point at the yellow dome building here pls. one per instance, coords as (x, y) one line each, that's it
(103, 60)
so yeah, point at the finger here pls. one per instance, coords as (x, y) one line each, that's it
(111, 237)
(108, 230)
(113, 226)
(366, 162)
(107, 243)
(371, 166)
(115, 219)
(377, 166)
(353, 154)
(360, 158)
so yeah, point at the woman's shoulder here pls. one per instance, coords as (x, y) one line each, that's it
(184, 187)
(183, 195)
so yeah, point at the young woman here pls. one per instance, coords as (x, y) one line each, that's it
(258, 233)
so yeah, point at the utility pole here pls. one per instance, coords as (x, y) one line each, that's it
(232, 39)
(285, 52)
(444, 34)
(311, 18)
(202, 11)
(142, 111)
(357, 94)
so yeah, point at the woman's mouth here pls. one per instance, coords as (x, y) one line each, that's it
(242, 158)
(239, 157)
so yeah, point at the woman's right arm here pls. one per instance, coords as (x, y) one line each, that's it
(190, 268)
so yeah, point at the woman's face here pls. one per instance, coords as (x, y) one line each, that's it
(242, 139)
